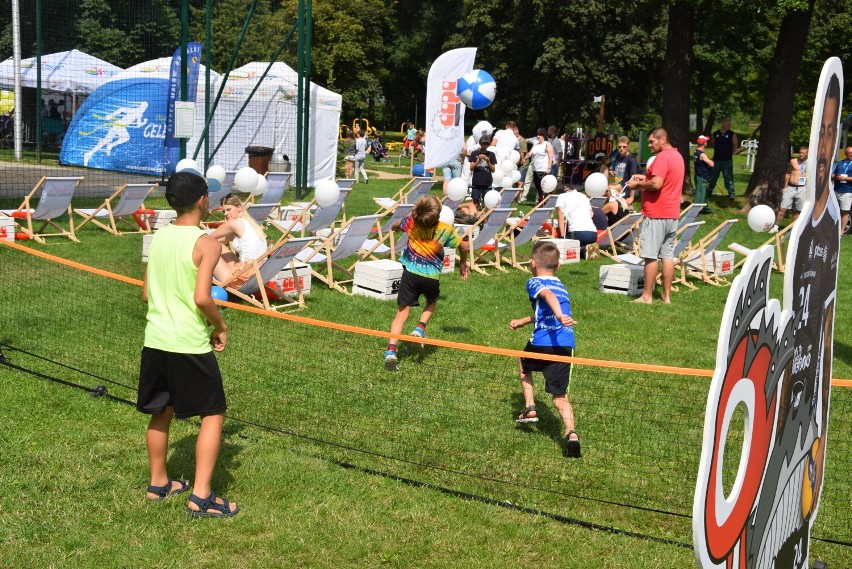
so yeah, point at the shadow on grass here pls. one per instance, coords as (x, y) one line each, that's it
(181, 461)
(843, 352)
(549, 422)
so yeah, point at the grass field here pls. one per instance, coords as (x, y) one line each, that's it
(74, 468)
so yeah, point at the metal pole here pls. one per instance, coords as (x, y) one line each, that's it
(184, 79)
(208, 58)
(306, 138)
(300, 99)
(39, 101)
(16, 54)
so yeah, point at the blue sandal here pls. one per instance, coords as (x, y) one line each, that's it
(165, 491)
(206, 504)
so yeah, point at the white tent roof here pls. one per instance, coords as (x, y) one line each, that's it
(65, 72)
(285, 77)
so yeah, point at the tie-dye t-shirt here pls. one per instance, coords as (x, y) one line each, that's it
(424, 254)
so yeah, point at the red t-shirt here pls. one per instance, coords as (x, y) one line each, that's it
(664, 204)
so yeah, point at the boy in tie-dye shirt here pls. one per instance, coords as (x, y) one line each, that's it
(422, 260)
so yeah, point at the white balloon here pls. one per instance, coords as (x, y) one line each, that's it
(261, 185)
(507, 182)
(480, 128)
(596, 185)
(245, 179)
(516, 176)
(501, 154)
(515, 156)
(492, 199)
(548, 183)
(507, 166)
(446, 215)
(457, 189)
(186, 163)
(761, 218)
(216, 172)
(326, 193)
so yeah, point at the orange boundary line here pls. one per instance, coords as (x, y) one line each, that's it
(380, 334)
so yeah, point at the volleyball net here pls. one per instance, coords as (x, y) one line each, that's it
(445, 419)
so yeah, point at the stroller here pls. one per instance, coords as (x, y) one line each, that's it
(377, 149)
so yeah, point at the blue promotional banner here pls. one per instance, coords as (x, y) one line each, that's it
(193, 56)
(121, 127)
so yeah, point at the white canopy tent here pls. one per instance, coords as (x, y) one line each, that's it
(72, 72)
(270, 119)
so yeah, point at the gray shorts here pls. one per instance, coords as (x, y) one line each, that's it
(657, 238)
(845, 199)
(793, 198)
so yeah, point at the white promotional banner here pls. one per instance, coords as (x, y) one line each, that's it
(444, 109)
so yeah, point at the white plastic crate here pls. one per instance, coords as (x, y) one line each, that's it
(718, 262)
(161, 218)
(146, 245)
(622, 279)
(7, 228)
(377, 279)
(449, 260)
(569, 250)
(285, 284)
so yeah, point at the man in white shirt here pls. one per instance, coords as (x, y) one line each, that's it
(505, 139)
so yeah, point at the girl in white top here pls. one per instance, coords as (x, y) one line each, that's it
(246, 239)
(360, 156)
(541, 159)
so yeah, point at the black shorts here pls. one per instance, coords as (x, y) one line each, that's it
(557, 375)
(411, 286)
(191, 383)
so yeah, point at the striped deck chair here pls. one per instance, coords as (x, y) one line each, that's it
(268, 204)
(701, 261)
(374, 247)
(690, 214)
(419, 187)
(508, 196)
(264, 270)
(484, 244)
(323, 218)
(350, 239)
(130, 210)
(522, 231)
(598, 201)
(615, 232)
(777, 240)
(54, 200)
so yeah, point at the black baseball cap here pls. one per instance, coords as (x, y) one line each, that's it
(184, 189)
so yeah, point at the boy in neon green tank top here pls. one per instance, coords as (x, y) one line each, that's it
(179, 375)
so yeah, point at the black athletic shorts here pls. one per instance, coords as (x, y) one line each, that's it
(191, 383)
(411, 286)
(556, 374)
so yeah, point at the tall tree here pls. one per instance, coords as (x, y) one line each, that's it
(677, 77)
(767, 181)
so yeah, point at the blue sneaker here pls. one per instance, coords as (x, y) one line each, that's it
(419, 333)
(391, 360)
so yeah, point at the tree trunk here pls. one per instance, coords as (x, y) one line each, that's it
(711, 119)
(770, 165)
(677, 78)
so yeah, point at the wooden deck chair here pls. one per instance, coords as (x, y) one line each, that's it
(54, 201)
(419, 187)
(598, 201)
(507, 197)
(490, 224)
(522, 231)
(683, 240)
(264, 271)
(350, 239)
(777, 240)
(700, 260)
(130, 210)
(615, 232)
(276, 184)
(342, 184)
(323, 218)
(683, 248)
(690, 214)
(373, 248)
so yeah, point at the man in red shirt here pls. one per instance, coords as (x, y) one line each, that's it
(662, 187)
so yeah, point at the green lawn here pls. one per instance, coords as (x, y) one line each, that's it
(306, 401)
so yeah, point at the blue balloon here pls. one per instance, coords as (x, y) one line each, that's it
(419, 171)
(218, 293)
(213, 185)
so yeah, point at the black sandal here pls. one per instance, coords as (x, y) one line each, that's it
(526, 415)
(165, 491)
(210, 503)
(572, 446)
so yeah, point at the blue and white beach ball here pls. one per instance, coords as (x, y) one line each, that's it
(476, 89)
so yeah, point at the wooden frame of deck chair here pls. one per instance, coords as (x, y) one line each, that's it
(683, 240)
(270, 201)
(490, 224)
(522, 231)
(419, 187)
(777, 240)
(275, 260)
(311, 206)
(131, 204)
(374, 247)
(683, 247)
(615, 232)
(690, 214)
(323, 218)
(701, 256)
(350, 239)
(54, 201)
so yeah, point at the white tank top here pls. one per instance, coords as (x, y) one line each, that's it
(249, 246)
